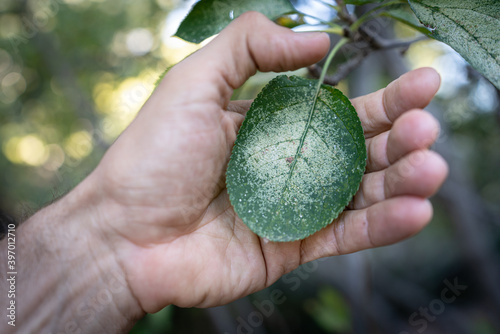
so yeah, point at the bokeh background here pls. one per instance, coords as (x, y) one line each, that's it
(74, 73)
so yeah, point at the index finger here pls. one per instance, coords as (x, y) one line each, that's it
(251, 42)
(380, 109)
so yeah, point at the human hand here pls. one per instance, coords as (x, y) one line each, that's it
(163, 207)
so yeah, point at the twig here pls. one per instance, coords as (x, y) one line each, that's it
(344, 14)
(341, 73)
(377, 43)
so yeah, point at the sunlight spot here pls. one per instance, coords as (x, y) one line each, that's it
(139, 41)
(79, 145)
(29, 150)
(9, 149)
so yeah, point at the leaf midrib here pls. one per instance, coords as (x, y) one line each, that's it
(304, 134)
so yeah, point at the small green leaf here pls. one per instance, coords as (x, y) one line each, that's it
(298, 159)
(290, 21)
(209, 17)
(331, 311)
(406, 16)
(472, 28)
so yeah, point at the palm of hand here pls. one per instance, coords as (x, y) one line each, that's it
(183, 243)
(195, 231)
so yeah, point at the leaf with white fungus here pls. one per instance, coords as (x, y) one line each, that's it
(472, 28)
(297, 161)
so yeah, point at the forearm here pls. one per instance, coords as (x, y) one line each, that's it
(67, 277)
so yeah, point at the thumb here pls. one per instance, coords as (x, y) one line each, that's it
(250, 43)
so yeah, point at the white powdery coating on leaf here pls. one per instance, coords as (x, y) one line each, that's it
(470, 27)
(277, 142)
(295, 164)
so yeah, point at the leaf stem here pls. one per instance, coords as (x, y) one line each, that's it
(328, 61)
(333, 30)
(316, 94)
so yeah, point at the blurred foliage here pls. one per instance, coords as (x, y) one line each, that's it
(74, 73)
(330, 311)
(160, 322)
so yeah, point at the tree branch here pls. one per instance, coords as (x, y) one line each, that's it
(375, 43)
(341, 73)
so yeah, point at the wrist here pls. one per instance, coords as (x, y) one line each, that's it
(68, 277)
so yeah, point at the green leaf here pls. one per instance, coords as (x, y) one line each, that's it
(331, 311)
(298, 159)
(407, 17)
(472, 28)
(209, 17)
(290, 21)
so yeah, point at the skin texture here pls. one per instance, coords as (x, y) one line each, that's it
(155, 212)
